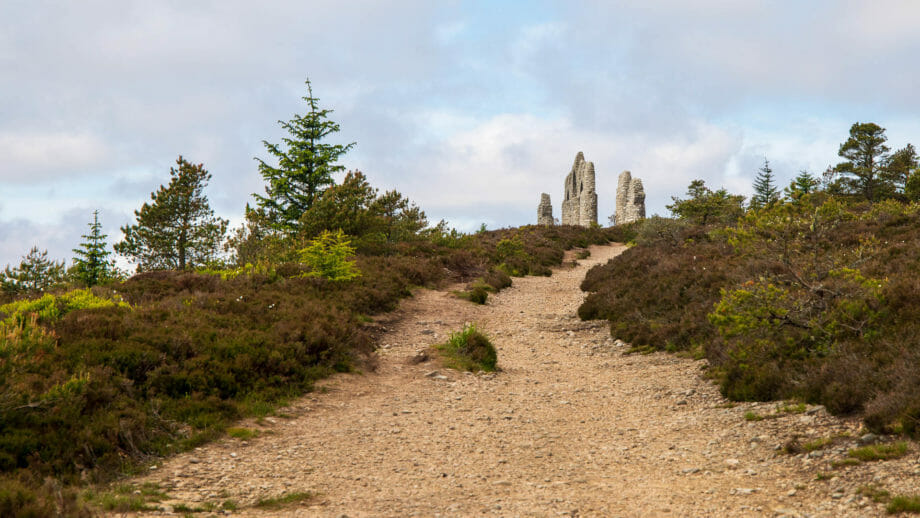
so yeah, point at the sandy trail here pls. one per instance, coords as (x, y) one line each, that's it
(569, 427)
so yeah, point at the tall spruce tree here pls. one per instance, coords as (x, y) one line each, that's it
(765, 191)
(866, 154)
(178, 229)
(305, 166)
(92, 266)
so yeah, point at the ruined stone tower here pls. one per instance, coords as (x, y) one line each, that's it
(580, 204)
(545, 211)
(630, 199)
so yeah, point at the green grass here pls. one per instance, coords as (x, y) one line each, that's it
(206, 507)
(288, 499)
(752, 416)
(817, 444)
(789, 408)
(469, 350)
(876, 493)
(874, 452)
(904, 504)
(242, 433)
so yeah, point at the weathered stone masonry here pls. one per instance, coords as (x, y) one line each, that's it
(545, 211)
(580, 204)
(630, 199)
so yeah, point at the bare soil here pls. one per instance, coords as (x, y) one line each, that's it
(570, 426)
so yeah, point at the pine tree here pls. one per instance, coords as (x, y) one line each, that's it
(765, 192)
(801, 185)
(305, 166)
(865, 153)
(91, 265)
(35, 273)
(899, 167)
(178, 229)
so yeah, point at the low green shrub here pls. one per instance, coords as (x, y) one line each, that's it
(469, 350)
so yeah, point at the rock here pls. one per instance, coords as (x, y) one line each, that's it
(545, 211)
(580, 204)
(630, 199)
(868, 438)
(732, 463)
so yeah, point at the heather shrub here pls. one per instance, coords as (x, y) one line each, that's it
(94, 381)
(814, 299)
(470, 350)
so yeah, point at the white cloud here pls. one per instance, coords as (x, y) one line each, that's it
(32, 157)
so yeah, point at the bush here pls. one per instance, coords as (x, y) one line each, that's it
(469, 350)
(93, 382)
(327, 256)
(814, 300)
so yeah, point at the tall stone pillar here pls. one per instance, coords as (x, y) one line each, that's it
(545, 211)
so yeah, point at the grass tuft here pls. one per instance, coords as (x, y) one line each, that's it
(288, 499)
(904, 504)
(242, 433)
(469, 350)
(879, 452)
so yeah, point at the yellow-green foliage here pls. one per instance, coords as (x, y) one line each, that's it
(51, 308)
(327, 256)
(260, 268)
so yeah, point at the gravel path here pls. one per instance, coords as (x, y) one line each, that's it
(569, 427)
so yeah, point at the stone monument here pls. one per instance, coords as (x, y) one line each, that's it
(630, 199)
(545, 211)
(580, 204)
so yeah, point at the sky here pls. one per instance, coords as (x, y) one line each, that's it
(470, 109)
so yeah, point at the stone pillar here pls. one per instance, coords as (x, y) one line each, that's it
(580, 204)
(630, 199)
(545, 211)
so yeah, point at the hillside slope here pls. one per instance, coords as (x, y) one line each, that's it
(569, 426)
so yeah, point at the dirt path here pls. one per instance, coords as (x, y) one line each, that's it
(570, 426)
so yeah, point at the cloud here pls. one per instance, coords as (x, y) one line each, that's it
(471, 109)
(31, 157)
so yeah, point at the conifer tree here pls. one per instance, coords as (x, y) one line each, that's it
(91, 266)
(899, 168)
(865, 153)
(178, 229)
(35, 273)
(765, 192)
(801, 185)
(305, 166)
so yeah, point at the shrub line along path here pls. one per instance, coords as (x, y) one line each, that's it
(569, 427)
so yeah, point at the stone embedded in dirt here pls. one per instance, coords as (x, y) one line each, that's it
(868, 438)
